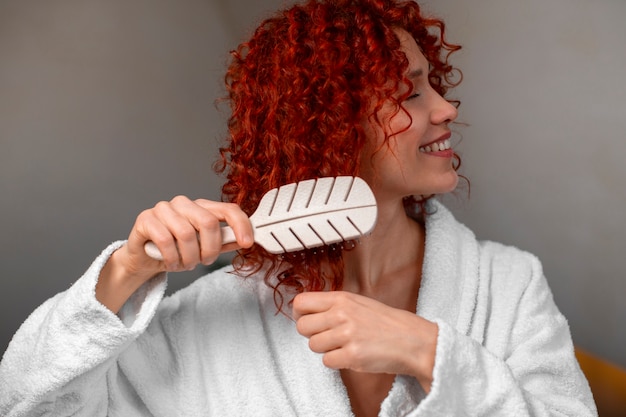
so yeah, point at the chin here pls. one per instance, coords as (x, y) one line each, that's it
(445, 184)
(443, 188)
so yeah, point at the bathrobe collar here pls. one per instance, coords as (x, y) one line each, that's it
(450, 273)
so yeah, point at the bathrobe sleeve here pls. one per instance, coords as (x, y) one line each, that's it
(521, 360)
(58, 361)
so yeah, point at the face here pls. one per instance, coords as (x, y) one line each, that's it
(417, 159)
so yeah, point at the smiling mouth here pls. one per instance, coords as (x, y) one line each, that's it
(436, 146)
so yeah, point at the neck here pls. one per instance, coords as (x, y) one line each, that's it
(387, 264)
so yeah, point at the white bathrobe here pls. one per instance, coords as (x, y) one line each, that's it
(218, 348)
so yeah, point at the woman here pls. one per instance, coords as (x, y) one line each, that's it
(416, 319)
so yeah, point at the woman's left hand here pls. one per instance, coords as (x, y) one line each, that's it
(359, 333)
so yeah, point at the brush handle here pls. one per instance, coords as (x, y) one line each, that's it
(228, 236)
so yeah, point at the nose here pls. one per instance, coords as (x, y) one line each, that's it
(443, 111)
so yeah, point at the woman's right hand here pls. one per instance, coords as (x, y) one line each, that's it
(186, 233)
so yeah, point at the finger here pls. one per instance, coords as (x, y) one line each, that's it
(229, 247)
(311, 324)
(205, 243)
(327, 341)
(149, 227)
(195, 229)
(205, 216)
(178, 217)
(234, 216)
(337, 359)
(313, 302)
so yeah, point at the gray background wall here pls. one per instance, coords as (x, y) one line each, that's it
(106, 106)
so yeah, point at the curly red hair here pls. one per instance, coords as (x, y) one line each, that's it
(299, 90)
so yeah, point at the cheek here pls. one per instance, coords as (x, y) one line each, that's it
(396, 127)
(400, 123)
(393, 120)
(374, 141)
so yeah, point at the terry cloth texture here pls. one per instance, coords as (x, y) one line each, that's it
(218, 348)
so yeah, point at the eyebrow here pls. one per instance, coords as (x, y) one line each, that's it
(415, 73)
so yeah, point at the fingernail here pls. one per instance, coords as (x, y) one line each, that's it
(209, 260)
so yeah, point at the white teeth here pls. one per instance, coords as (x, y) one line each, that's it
(435, 147)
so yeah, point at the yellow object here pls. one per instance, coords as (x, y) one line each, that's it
(607, 382)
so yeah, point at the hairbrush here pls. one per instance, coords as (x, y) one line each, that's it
(307, 214)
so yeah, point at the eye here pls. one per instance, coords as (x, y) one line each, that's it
(412, 96)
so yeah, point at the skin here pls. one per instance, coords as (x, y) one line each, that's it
(369, 330)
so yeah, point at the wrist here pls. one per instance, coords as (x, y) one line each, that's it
(118, 280)
(422, 363)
